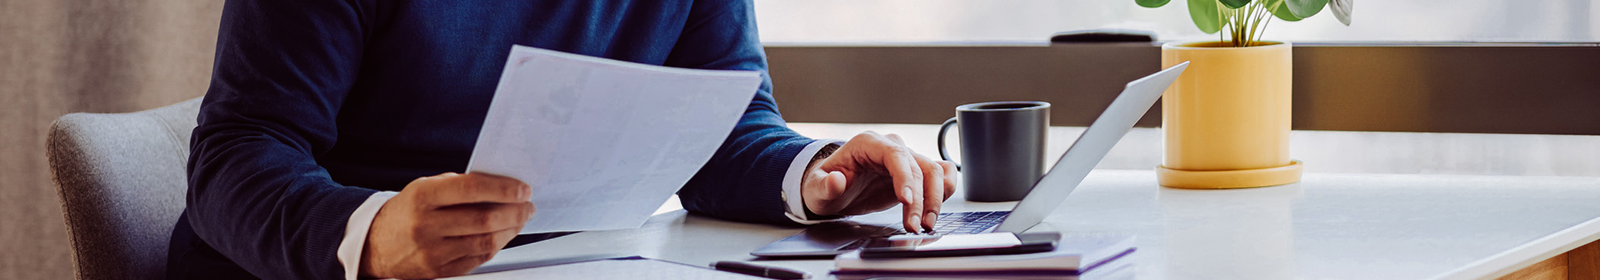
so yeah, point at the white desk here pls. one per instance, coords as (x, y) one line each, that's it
(1331, 225)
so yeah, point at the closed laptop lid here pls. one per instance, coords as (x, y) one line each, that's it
(1051, 189)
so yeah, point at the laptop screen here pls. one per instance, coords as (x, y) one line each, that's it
(1051, 189)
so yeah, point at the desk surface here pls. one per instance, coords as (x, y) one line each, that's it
(1351, 225)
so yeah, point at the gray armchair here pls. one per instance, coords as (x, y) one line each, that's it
(122, 183)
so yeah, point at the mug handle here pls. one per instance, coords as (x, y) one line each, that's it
(942, 153)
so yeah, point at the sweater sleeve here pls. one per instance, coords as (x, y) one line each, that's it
(256, 193)
(743, 181)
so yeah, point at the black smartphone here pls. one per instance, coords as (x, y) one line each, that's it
(999, 243)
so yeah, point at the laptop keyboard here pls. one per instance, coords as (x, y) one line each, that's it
(968, 222)
(948, 223)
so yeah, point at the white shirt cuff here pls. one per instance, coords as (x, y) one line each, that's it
(795, 208)
(355, 233)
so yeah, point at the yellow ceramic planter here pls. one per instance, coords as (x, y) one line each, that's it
(1226, 120)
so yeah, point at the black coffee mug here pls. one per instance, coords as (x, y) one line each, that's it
(1002, 147)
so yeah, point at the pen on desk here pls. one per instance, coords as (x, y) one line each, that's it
(759, 270)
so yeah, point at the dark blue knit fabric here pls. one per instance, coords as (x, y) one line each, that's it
(316, 104)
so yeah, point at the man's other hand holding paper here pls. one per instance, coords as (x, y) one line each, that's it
(445, 225)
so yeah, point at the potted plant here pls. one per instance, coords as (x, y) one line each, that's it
(1226, 120)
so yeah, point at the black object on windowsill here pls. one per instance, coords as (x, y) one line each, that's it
(1104, 36)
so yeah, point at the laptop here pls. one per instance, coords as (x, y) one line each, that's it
(830, 239)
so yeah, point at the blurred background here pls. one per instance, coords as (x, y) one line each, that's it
(813, 22)
(923, 56)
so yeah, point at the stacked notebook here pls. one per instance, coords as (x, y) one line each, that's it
(1075, 254)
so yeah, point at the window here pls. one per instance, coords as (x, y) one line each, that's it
(855, 22)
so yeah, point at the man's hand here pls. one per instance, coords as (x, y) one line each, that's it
(445, 225)
(874, 172)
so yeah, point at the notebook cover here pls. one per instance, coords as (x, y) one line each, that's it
(1076, 253)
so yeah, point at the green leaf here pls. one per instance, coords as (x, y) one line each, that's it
(1204, 14)
(1283, 13)
(1341, 10)
(1152, 3)
(1235, 4)
(1305, 8)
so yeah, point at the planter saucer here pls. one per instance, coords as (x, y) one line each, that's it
(1229, 179)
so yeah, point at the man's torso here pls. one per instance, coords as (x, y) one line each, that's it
(430, 68)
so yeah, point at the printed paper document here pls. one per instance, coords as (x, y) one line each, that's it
(602, 142)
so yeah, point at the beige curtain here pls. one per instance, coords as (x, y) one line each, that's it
(63, 56)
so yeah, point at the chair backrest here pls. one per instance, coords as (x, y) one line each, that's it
(122, 183)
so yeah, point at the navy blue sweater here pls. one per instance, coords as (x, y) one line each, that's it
(314, 105)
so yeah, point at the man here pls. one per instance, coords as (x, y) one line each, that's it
(328, 142)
